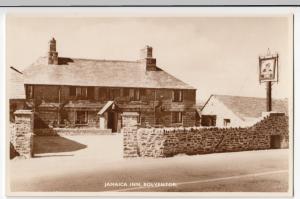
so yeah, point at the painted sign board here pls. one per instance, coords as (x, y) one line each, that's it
(268, 69)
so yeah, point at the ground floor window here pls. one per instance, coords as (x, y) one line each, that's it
(176, 117)
(226, 122)
(208, 120)
(81, 117)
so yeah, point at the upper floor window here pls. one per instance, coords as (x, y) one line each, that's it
(125, 92)
(81, 92)
(90, 93)
(134, 94)
(177, 96)
(114, 93)
(29, 92)
(176, 117)
(72, 91)
(103, 93)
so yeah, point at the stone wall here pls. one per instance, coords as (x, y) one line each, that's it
(166, 142)
(22, 133)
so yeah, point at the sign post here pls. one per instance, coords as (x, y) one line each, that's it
(268, 73)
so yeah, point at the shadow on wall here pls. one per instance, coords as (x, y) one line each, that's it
(55, 144)
(12, 152)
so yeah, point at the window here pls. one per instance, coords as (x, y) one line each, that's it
(81, 92)
(29, 92)
(131, 94)
(226, 122)
(72, 91)
(208, 120)
(125, 92)
(114, 93)
(177, 96)
(103, 93)
(90, 93)
(176, 117)
(81, 117)
(134, 94)
(143, 92)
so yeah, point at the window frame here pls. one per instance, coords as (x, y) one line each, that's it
(137, 95)
(81, 92)
(134, 94)
(91, 93)
(72, 93)
(226, 122)
(103, 93)
(86, 115)
(180, 97)
(178, 121)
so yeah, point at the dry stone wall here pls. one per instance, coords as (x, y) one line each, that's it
(166, 142)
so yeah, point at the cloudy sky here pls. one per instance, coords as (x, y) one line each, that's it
(217, 55)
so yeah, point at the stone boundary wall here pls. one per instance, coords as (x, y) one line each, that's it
(71, 131)
(166, 142)
(21, 133)
(12, 135)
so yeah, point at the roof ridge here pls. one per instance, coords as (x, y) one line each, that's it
(93, 59)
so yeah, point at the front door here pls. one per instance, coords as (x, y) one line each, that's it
(112, 121)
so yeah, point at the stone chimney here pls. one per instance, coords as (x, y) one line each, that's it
(146, 56)
(52, 54)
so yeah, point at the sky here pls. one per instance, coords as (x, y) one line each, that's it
(216, 55)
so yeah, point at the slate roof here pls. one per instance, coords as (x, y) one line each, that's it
(106, 73)
(16, 88)
(251, 106)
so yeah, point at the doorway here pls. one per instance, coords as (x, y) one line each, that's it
(112, 121)
(275, 142)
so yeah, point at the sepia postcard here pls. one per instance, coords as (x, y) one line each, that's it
(150, 102)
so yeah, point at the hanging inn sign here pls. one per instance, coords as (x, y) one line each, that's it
(268, 73)
(268, 69)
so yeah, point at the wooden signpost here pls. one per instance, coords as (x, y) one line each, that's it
(268, 73)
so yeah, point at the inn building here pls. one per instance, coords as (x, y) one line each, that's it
(72, 92)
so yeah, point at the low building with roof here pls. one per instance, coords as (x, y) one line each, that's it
(76, 92)
(16, 91)
(237, 111)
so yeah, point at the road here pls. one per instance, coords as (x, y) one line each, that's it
(249, 171)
